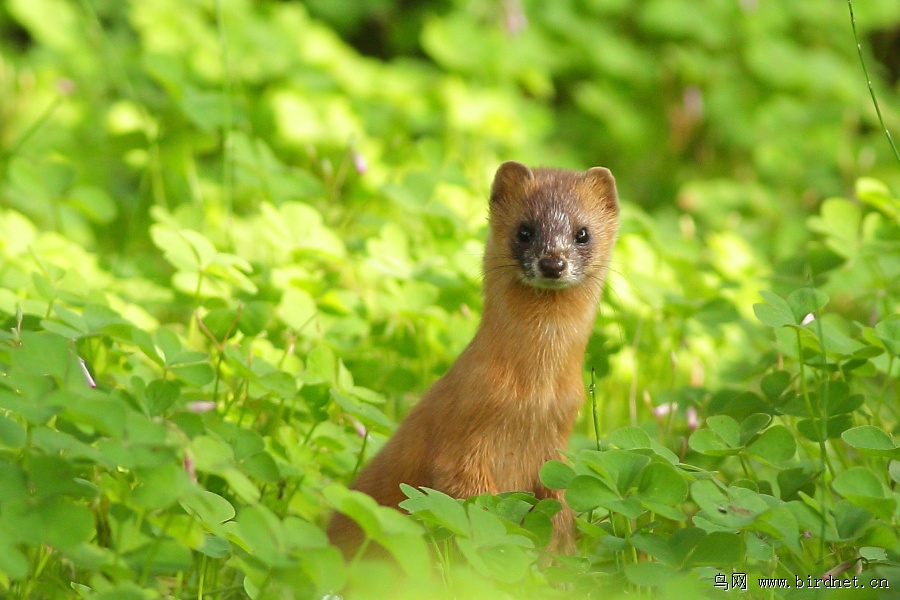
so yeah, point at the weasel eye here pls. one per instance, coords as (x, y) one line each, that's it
(525, 234)
(582, 237)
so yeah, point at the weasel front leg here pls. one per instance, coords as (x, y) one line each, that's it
(563, 531)
(563, 541)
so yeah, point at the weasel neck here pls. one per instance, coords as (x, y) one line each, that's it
(536, 337)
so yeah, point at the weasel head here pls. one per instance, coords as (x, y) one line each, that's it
(551, 228)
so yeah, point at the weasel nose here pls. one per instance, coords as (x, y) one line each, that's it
(552, 267)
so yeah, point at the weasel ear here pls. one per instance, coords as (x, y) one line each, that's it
(604, 185)
(510, 177)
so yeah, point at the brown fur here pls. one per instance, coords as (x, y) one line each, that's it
(509, 402)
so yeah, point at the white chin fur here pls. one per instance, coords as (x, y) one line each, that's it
(544, 283)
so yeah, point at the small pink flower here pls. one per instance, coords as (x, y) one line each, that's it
(693, 100)
(189, 467)
(360, 429)
(66, 87)
(693, 419)
(86, 373)
(359, 162)
(514, 18)
(664, 409)
(807, 534)
(201, 406)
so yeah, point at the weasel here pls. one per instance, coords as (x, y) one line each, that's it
(509, 402)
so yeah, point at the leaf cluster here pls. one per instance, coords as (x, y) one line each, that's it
(235, 247)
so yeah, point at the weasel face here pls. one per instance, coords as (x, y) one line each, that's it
(550, 228)
(551, 248)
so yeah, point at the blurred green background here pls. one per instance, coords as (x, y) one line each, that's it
(726, 123)
(258, 226)
(739, 113)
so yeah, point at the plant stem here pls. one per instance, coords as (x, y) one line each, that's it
(201, 578)
(362, 453)
(632, 392)
(884, 387)
(594, 410)
(218, 376)
(823, 432)
(869, 82)
(39, 122)
(228, 125)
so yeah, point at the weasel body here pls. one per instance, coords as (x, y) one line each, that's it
(509, 402)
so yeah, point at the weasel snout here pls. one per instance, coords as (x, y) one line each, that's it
(552, 267)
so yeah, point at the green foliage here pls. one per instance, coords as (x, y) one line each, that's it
(234, 250)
